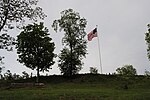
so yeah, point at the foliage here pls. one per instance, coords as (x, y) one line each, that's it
(93, 70)
(6, 42)
(8, 75)
(15, 13)
(0, 72)
(73, 41)
(147, 73)
(126, 70)
(16, 76)
(25, 75)
(18, 11)
(35, 49)
(147, 39)
(1, 68)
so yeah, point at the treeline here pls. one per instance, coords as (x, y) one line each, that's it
(10, 76)
(34, 45)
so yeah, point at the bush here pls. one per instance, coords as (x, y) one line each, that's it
(126, 70)
(93, 70)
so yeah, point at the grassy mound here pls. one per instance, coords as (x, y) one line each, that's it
(82, 87)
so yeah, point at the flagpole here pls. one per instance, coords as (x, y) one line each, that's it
(100, 61)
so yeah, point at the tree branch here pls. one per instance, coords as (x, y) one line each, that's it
(5, 19)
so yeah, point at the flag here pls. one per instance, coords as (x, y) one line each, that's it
(92, 34)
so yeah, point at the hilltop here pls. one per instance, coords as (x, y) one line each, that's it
(81, 87)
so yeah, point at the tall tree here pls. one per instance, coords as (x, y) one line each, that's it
(73, 41)
(15, 13)
(35, 49)
(147, 39)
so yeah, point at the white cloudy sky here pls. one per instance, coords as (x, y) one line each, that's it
(121, 27)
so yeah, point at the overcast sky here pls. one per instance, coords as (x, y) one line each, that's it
(121, 28)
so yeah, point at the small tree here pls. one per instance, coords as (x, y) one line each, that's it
(35, 49)
(8, 75)
(16, 76)
(93, 70)
(73, 41)
(25, 75)
(126, 70)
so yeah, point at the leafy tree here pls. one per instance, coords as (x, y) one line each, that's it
(147, 39)
(74, 42)
(25, 75)
(16, 76)
(126, 70)
(16, 12)
(8, 75)
(35, 49)
(93, 70)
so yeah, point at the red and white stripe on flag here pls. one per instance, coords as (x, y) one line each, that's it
(92, 34)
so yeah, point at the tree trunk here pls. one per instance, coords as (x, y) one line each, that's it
(71, 60)
(4, 21)
(38, 74)
(70, 72)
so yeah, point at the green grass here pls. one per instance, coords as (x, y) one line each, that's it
(83, 87)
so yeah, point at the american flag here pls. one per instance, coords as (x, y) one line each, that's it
(92, 34)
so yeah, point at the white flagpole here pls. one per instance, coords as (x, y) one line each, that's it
(100, 61)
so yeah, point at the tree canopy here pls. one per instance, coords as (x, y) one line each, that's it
(14, 13)
(35, 48)
(126, 70)
(93, 70)
(74, 41)
(17, 11)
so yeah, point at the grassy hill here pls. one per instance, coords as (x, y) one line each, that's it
(81, 87)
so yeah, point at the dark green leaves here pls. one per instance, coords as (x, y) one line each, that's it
(6, 42)
(34, 47)
(17, 11)
(126, 70)
(14, 13)
(74, 41)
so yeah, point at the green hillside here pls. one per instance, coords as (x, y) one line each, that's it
(81, 87)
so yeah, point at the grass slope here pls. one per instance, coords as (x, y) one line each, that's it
(83, 87)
